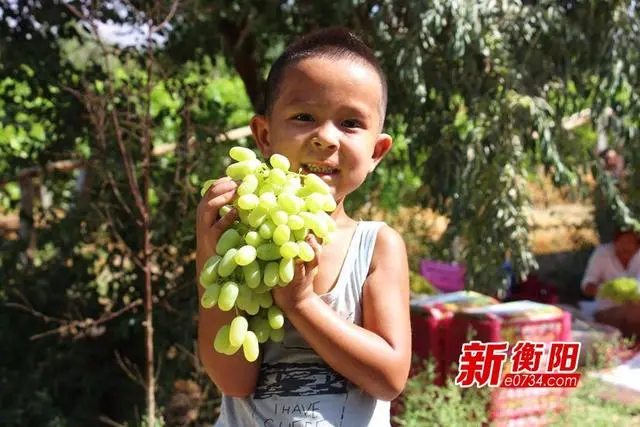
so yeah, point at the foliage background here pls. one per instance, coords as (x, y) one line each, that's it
(482, 94)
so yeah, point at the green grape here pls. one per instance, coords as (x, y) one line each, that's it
(238, 171)
(251, 274)
(304, 192)
(277, 177)
(253, 307)
(228, 296)
(244, 297)
(281, 234)
(286, 270)
(228, 263)
(271, 274)
(290, 203)
(224, 210)
(249, 185)
(210, 296)
(329, 204)
(257, 216)
(250, 347)
(266, 229)
(314, 202)
(277, 335)
(244, 215)
(248, 201)
(301, 233)
(261, 328)
(268, 200)
(280, 162)
(620, 290)
(238, 331)
(288, 189)
(326, 218)
(231, 350)
(221, 342)
(309, 219)
(245, 255)
(265, 300)
(209, 273)
(320, 229)
(253, 238)
(279, 217)
(205, 187)
(292, 185)
(275, 317)
(299, 201)
(294, 180)
(261, 289)
(241, 154)
(316, 184)
(229, 239)
(289, 250)
(295, 222)
(305, 251)
(268, 252)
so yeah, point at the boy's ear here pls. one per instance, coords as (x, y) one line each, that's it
(382, 147)
(260, 130)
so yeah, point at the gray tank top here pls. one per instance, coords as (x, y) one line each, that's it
(295, 387)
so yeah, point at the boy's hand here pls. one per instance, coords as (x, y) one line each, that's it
(591, 289)
(301, 287)
(209, 225)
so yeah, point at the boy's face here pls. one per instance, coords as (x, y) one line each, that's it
(326, 120)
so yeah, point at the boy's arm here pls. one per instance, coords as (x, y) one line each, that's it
(233, 375)
(375, 357)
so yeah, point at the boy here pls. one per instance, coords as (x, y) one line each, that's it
(347, 345)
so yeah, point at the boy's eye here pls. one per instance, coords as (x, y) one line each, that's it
(351, 123)
(303, 117)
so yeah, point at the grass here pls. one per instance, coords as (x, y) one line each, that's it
(586, 407)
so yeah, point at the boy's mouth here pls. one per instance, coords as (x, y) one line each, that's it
(319, 169)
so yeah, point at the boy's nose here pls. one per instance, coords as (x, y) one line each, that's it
(323, 144)
(327, 138)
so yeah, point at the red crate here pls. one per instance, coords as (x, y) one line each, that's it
(512, 322)
(431, 320)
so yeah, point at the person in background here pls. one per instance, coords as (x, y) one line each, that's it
(620, 258)
(613, 164)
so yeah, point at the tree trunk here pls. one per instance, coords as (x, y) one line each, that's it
(148, 327)
(242, 50)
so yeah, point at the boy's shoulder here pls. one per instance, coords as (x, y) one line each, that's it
(389, 244)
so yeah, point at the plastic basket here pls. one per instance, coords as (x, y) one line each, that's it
(443, 276)
(431, 320)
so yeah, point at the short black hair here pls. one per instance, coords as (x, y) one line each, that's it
(334, 43)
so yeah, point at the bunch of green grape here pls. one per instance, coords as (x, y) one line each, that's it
(277, 209)
(621, 290)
